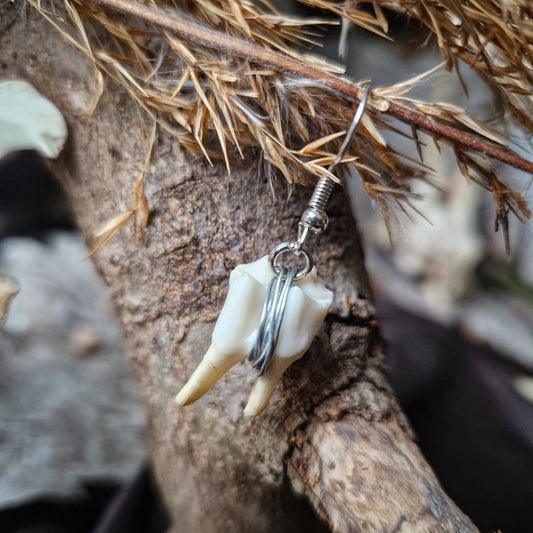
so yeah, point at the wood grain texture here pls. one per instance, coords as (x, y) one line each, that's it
(332, 451)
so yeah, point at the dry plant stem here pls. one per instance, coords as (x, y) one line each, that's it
(333, 439)
(227, 44)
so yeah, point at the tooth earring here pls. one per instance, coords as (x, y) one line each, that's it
(272, 312)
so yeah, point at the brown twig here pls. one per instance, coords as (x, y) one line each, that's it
(208, 37)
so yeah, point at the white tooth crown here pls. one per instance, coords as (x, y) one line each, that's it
(236, 330)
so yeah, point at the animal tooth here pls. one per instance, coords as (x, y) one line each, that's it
(265, 385)
(212, 367)
(236, 330)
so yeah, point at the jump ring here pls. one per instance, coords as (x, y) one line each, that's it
(298, 250)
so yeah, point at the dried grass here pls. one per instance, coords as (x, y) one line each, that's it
(230, 101)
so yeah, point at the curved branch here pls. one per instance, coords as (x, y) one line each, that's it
(333, 434)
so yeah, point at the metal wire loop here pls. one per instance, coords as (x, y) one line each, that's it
(298, 250)
(271, 318)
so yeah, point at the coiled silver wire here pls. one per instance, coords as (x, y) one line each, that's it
(271, 318)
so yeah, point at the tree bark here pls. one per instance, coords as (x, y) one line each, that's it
(332, 450)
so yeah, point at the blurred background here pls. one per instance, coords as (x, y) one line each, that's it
(456, 310)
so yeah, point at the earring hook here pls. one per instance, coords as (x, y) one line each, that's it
(353, 127)
(314, 218)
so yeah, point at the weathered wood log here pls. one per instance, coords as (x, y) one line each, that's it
(332, 450)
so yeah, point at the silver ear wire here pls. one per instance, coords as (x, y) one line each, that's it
(314, 218)
(353, 127)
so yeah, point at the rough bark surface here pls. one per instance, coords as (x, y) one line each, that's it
(332, 451)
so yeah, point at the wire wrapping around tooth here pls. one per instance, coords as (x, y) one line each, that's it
(271, 318)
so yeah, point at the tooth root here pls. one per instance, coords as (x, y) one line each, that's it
(213, 366)
(266, 384)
